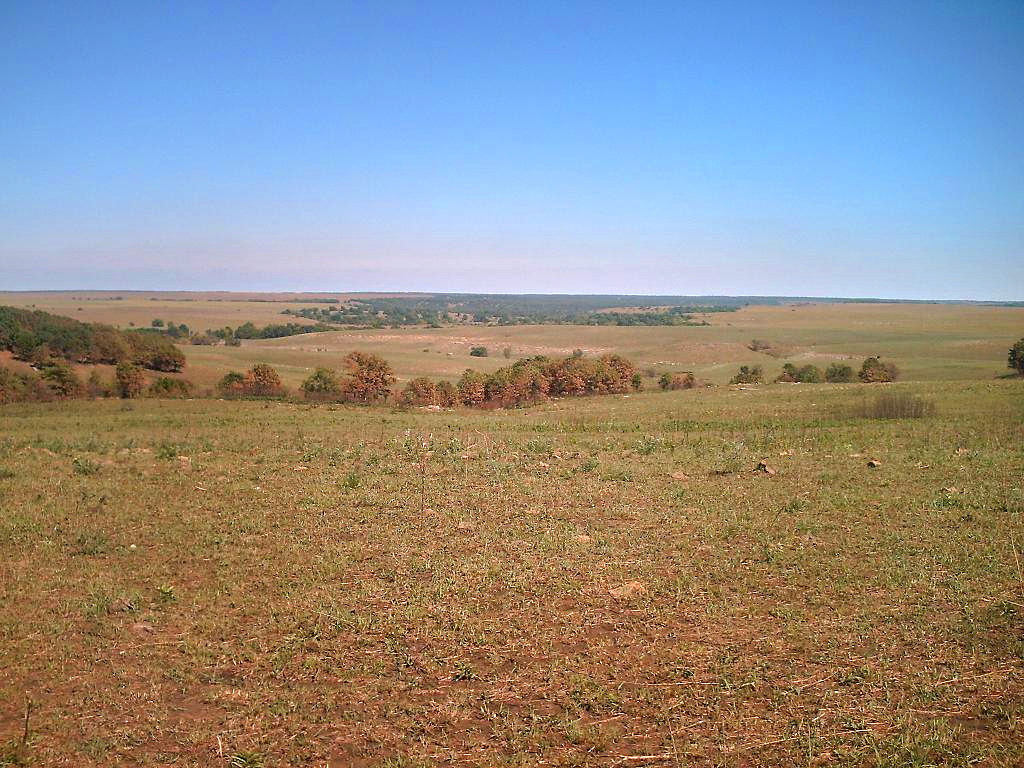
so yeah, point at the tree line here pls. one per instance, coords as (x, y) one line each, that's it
(40, 338)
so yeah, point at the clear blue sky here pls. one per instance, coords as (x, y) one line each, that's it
(848, 149)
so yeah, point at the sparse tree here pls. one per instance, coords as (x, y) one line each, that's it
(262, 381)
(321, 384)
(129, 379)
(837, 373)
(369, 378)
(1015, 359)
(874, 371)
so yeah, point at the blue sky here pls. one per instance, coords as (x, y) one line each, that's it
(846, 149)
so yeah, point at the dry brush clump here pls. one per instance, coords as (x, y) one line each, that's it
(685, 380)
(527, 381)
(367, 379)
(259, 381)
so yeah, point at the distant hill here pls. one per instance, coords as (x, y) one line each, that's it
(37, 336)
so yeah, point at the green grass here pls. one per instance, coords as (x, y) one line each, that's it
(283, 595)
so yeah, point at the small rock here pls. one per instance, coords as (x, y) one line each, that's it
(874, 463)
(583, 539)
(300, 468)
(142, 628)
(680, 476)
(628, 590)
(763, 466)
(466, 525)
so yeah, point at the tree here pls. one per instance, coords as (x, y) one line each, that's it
(97, 385)
(1015, 359)
(837, 373)
(322, 383)
(231, 384)
(472, 388)
(875, 371)
(419, 391)
(684, 380)
(262, 381)
(157, 323)
(62, 381)
(129, 379)
(752, 374)
(369, 378)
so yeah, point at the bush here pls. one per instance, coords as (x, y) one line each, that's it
(807, 374)
(22, 387)
(447, 395)
(875, 371)
(837, 373)
(62, 381)
(97, 386)
(478, 352)
(369, 378)
(471, 388)
(1015, 358)
(752, 374)
(129, 380)
(322, 384)
(670, 381)
(165, 386)
(231, 384)
(262, 381)
(419, 391)
(896, 405)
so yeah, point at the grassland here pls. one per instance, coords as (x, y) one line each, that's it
(929, 342)
(605, 581)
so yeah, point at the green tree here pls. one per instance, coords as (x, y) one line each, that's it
(1015, 360)
(322, 383)
(874, 370)
(837, 373)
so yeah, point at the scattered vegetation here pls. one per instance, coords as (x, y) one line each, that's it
(41, 338)
(875, 371)
(748, 374)
(1015, 358)
(895, 405)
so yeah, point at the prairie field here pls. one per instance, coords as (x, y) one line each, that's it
(607, 581)
(929, 342)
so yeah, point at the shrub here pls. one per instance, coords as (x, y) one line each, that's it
(447, 395)
(806, 374)
(262, 381)
(896, 405)
(419, 391)
(97, 386)
(685, 380)
(369, 378)
(638, 382)
(62, 381)
(478, 352)
(231, 384)
(471, 388)
(837, 373)
(22, 387)
(875, 371)
(1015, 358)
(129, 379)
(165, 386)
(322, 384)
(752, 374)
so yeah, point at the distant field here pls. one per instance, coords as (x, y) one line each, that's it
(603, 582)
(928, 341)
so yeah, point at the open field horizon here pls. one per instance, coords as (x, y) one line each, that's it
(941, 341)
